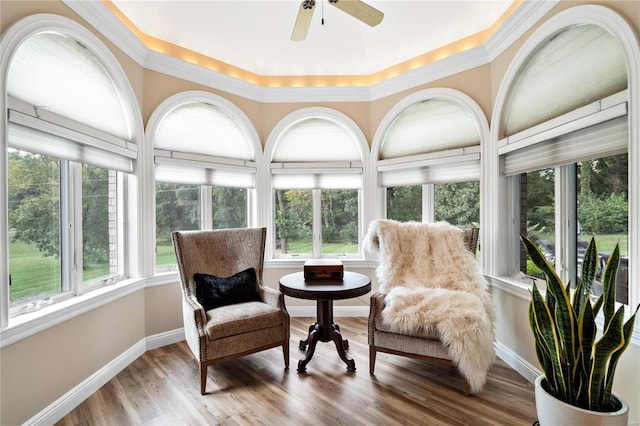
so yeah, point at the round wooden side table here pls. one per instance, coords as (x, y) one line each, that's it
(324, 293)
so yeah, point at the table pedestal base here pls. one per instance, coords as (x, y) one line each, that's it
(324, 330)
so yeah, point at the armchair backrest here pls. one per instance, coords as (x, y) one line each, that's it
(220, 252)
(471, 239)
(418, 255)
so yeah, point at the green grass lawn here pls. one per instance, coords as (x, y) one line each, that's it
(34, 276)
(165, 255)
(305, 247)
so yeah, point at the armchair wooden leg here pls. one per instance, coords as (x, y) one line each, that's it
(203, 378)
(285, 351)
(467, 388)
(372, 359)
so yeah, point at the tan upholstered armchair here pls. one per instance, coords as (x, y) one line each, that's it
(249, 323)
(438, 309)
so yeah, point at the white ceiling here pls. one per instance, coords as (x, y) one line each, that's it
(255, 35)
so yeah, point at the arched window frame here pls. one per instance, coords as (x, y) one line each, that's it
(208, 162)
(266, 215)
(460, 155)
(502, 250)
(12, 39)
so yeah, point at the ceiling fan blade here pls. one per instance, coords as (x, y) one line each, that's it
(359, 10)
(303, 20)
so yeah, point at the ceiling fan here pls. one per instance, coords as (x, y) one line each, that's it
(356, 8)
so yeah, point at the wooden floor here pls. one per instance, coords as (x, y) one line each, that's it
(162, 388)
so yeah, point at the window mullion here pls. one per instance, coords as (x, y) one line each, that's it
(316, 228)
(206, 206)
(252, 209)
(70, 226)
(428, 202)
(566, 221)
(73, 205)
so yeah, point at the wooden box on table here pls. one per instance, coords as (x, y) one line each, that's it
(318, 270)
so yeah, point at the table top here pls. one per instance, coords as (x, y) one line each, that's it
(353, 284)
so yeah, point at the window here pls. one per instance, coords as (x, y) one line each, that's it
(34, 227)
(180, 207)
(177, 208)
(565, 150)
(205, 173)
(537, 215)
(294, 222)
(316, 175)
(404, 203)
(70, 149)
(429, 162)
(64, 216)
(99, 223)
(458, 203)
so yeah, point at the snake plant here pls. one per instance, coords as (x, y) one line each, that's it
(578, 366)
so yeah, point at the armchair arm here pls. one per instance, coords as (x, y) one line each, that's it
(199, 314)
(376, 304)
(271, 296)
(194, 319)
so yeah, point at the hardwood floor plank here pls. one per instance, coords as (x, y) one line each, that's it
(162, 388)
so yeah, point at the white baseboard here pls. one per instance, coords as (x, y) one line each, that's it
(67, 402)
(164, 339)
(515, 361)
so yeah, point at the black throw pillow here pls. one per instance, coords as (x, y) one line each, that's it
(213, 292)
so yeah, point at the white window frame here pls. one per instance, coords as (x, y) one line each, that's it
(190, 161)
(365, 193)
(12, 38)
(500, 262)
(206, 217)
(466, 160)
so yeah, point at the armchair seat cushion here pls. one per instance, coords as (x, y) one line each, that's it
(241, 318)
(412, 345)
(424, 333)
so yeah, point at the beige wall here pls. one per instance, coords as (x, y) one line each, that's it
(162, 309)
(38, 370)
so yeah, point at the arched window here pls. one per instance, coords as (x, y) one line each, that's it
(564, 141)
(71, 133)
(429, 158)
(316, 172)
(204, 150)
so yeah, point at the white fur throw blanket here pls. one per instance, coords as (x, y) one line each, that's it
(433, 283)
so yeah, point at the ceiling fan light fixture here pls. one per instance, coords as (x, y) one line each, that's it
(356, 8)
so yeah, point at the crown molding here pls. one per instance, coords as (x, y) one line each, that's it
(522, 20)
(188, 71)
(98, 16)
(445, 67)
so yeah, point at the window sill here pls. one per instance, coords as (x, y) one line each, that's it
(517, 286)
(521, 287)
(28, 324)
(299, 263)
